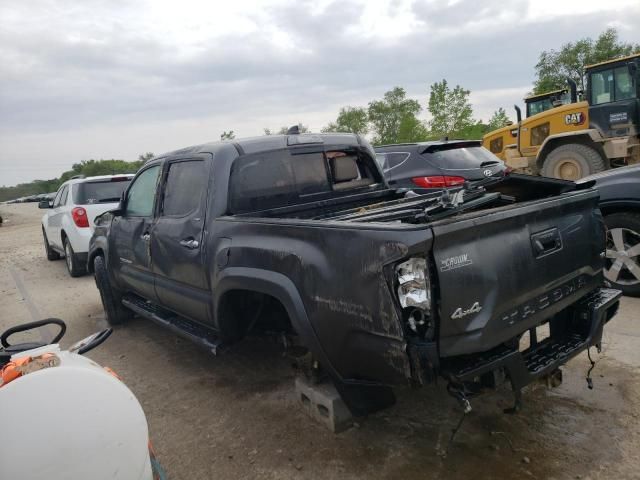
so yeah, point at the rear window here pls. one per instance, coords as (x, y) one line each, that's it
(454, 158)
(104, 191)
(274, 179)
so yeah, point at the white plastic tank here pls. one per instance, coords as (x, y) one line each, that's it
(73, 421)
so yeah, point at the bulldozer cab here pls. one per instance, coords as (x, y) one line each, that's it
(545, 101)
(614, 96)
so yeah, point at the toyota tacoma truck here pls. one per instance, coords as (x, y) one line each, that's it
(482, 284)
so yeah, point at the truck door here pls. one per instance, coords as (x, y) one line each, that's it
(129, 238)
(177, 241)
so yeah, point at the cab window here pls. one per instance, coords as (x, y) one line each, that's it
(611, 85)
(185, 188)
(142, 193)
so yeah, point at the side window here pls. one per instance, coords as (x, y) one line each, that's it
(395, 159)
(65, 195)
(56, 200)
(495, 145)
(624, 83)
(602, 87)
(61, 197)
(142, 193)
(185, 188)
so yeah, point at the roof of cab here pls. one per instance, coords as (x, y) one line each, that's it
(613, 60)
(266, 143)
(545, 94)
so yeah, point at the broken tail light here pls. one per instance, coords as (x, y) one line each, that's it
(414, 295)
(437, 181)
(414, 289)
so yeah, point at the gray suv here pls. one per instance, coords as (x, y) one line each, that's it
(437, 165)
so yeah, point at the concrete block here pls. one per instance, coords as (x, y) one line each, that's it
(323, 403)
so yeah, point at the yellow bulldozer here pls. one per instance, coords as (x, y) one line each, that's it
(565, 138)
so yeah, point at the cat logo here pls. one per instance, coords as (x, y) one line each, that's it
(576, 118)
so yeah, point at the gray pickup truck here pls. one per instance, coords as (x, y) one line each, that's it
(301, 234)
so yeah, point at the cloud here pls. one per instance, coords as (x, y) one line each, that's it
(112, 78)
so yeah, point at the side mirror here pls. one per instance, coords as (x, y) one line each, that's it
(44, 204)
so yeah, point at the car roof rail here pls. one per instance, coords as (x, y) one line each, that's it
(78, 176)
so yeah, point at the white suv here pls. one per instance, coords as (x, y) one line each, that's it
(69, 222)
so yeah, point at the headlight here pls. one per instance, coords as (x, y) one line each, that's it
(414, 289)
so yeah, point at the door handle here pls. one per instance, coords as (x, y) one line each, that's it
(546, 242)
(190, 243)
(145, 236)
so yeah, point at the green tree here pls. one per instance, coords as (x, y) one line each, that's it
(554, 66)
(474, 131)
(450, 110)
(89, 168)
(394, 119)
(499, 119)
(145, 157)
(227, 135)
(350, 120)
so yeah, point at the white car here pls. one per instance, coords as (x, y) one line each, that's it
(69, 222)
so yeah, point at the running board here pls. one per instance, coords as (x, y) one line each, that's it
(188, 329)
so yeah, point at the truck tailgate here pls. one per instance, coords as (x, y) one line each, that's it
(504, 271)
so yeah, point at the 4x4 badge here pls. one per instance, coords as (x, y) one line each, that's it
(459, 313)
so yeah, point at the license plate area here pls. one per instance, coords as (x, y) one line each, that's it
(534, 337)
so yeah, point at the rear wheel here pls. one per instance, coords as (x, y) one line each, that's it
(111, 297)
(622, 267)
(572, 162)
(49, 252)
(74, 264)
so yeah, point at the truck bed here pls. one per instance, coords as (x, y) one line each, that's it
(505, 259)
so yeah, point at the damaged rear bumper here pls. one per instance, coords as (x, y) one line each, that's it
(571, 332)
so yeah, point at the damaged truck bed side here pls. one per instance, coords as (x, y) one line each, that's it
(301, 234)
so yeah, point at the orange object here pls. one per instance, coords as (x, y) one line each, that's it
(10, 371)
(24, 365)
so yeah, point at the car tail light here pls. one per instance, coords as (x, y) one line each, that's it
(79, 216)
(437, 181)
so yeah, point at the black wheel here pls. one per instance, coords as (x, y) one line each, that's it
(622, 267)
(74, 265)
(572, 162)
(49, 252)
(111, 297)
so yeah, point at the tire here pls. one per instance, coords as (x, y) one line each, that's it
(50, 253)
(74, 265)
(572, 162)
(622, 264)
(116, 313)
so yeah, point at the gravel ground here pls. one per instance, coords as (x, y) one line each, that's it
(235, 415)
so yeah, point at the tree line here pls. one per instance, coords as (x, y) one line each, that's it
(88, 168)
(396, 118)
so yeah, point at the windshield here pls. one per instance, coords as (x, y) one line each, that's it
(538, 106)
(465, 158)
(107, 191)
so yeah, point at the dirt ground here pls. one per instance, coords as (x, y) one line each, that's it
(235, 415)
